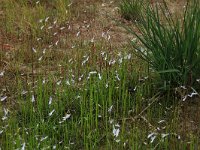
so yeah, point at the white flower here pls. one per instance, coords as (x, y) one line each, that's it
(51, 113)
(43, 138)
(33, 98)
(99, 76)
(116, 132)
(56, 43)
(50, 100)
(78, 33)
(152, 136)
(62, 28)
(164, 135)
(2, 73)
(23, 146)
(3, 98)
(67, 116)
(34, 50)
(110, 109)
(46, 19)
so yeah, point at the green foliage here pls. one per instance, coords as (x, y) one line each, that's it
(131, 9)
(171, 45)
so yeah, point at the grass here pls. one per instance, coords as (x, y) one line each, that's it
(131, 9)
(88, 95)
(170, 46)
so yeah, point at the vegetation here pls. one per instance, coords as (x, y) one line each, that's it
(131, 9)
(170, 46)
(63, 90)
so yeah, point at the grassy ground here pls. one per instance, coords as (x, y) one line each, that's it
(69, 79)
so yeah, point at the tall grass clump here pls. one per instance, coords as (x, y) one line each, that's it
(170, 44)
(131, 9)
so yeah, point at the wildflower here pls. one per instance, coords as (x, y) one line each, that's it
(117, 140)
(41, 20)
(55, 22)
(164, 135)
(62, 28)
(33, 98)
(23, 146)
(24, 92)
(41, 27)
(1, 131)
(110, 109)
(50, 27)
(56, 43)
(58, 83)
(50, 100)
(34, 50)
(46, 19)
(2, 73)
(40, 58)
(152, 136)
(67, 116)
(43, 138)
(44, 51)
(69, 4)
(111, 121)
(99, 76)
(115, 132)
(161, 121)
(3, 98)
(51, 113)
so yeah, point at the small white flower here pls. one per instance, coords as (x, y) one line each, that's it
(161, 121)
(78, 33)
(33, 98)
(193, 94)
(51, 113)
(41, 27)
(43, 138)
(116, 132)
(117, 140)
(99, 76)
(44, 51)
(56, 43)
(54, 147)
(67, 116)
(164, 135)
(23, 146)
(3, 98)
(2, 73)
(69, 4)
(111, 121)
(1, 131)
(40, 58)
(58, 83)
(50, 100)
(50, 27)
(110, 109)
(34, 50)
(152, 136)
(92, 40)
(55, 22)
(40, 21)
(46, 19)
(62, 28)
(92, 72)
